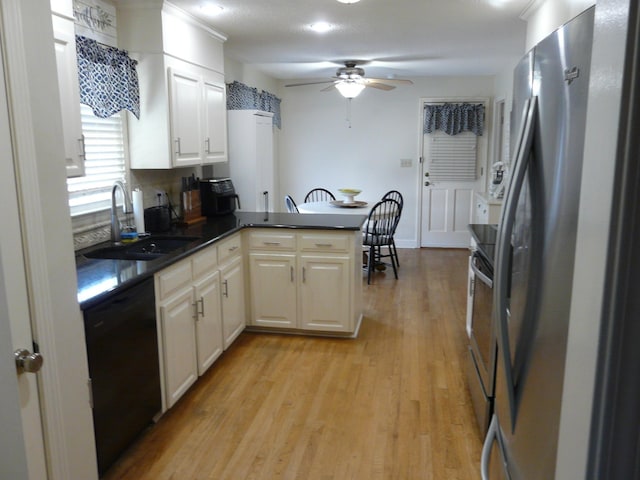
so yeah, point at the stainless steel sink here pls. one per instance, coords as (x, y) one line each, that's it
(146, 249)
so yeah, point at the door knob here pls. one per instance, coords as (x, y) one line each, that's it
(27, 361)
(426, 184)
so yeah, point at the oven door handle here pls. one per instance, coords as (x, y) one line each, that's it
(476, 271)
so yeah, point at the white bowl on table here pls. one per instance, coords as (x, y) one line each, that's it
(349, 194)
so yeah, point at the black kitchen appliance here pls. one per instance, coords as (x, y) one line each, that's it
(218, 196)
(157, 219)
(122, 351)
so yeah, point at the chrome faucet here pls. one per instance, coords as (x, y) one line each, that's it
(126, 208)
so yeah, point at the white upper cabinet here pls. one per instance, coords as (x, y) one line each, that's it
(185, 115)
(215, 120)
(68, 85)
(182, 91)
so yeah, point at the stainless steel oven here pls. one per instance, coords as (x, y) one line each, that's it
(482, 344)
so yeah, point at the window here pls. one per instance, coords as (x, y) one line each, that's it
(451, 158)
(104, 163)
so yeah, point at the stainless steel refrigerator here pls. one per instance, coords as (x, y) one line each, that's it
(535, 253)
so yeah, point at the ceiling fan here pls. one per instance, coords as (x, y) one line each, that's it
(350, 81)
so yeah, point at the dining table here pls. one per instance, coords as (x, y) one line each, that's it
(336, 207)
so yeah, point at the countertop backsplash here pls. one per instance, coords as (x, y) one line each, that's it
(93, 228)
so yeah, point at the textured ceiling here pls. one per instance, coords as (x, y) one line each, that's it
(401, 38)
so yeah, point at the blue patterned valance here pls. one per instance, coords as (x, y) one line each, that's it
(453, 118)
(108, 78)
(243, 97)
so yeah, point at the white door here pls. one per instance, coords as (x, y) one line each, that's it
(446, 205)
(22, 453)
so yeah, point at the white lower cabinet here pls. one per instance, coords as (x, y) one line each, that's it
(487, 210)
(233, 300)
(231, 265)
(325, 293)
(179, 342)
(189, 306)
(208, 321)
(273, 289)
(304, 280)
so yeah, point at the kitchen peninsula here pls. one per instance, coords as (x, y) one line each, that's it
(154, 326)
(99, 278)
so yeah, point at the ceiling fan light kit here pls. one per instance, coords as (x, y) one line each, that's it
(350, 88)
(350, 81)
(348, 1)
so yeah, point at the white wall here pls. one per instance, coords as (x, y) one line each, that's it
(319, 149)
(247, 74)
(545, 16)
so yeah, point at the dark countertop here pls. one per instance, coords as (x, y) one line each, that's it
(99, 278)
(485, 237)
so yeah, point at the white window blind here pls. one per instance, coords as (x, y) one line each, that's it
(452, 158)
(104, 163)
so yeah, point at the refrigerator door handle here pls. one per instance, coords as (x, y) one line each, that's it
(503, 243)
(493, 435)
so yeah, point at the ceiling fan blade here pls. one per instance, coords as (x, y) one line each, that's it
(308, 83)
(397, 81)
(330, 87)
(379, 86)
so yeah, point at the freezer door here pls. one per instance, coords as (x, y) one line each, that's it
(522, 91)
(535, 252)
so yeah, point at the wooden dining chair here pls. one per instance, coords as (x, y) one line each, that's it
(290, 204)
(378, 233)
(319, 195)
(397, 196)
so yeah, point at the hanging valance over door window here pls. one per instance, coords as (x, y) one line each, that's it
(453, 118)
(108, 78)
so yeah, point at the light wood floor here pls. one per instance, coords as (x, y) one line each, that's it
(391, 404)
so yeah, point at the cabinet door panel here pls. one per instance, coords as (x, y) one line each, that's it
(185, 118)
(233, 310)
(215, 122)
(209, 321)
(66, 63)
(325, 293)
(273, 287)
(179, 341)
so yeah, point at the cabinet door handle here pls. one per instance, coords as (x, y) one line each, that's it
(207, 145)
(177, 146)
(234, 248)
(271, 243)
(326, 245)
(195, 310)
(291, 274)
(226, 288)
(201, 301)
(304, 275)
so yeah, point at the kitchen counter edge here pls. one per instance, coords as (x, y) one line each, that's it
(98, 279)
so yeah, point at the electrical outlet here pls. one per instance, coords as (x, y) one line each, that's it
(405, 162)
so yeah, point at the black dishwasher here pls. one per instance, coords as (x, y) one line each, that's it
(122, 349)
